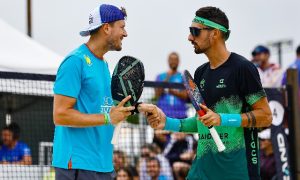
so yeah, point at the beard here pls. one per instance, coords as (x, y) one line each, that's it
(199, 50)
(205, 46)
(114, 45)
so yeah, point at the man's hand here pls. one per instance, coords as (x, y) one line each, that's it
(210, 118)
(156, 118)
(120, 113)
(187, 156)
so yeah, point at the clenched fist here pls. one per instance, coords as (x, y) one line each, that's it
(155, 117)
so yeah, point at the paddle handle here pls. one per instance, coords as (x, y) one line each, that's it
(115, 138)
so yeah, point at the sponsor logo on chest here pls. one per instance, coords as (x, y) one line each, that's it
(221, 84)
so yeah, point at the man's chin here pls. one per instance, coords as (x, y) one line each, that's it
(198, 51)
(117, 48)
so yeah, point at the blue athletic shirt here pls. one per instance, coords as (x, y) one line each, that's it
(171, 105)
(87, 78)
(16, 154)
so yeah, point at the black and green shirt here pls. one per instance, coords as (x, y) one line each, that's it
(231, 88)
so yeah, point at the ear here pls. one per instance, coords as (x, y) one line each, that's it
(106, 28)
(216, 34)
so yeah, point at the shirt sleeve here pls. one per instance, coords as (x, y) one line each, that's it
(158, 78)
(189, 125)
(250, 84)
(26, 150)
(68, 78)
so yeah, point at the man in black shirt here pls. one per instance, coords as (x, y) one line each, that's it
(236, 105)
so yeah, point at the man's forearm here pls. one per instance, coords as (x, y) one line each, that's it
(260, 116)
(74, 118)
(256, 118)
(188, 125)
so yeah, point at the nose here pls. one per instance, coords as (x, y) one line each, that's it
(190, 37)
(125, 33)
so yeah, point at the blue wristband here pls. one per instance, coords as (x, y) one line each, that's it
(232, 120)
(172, 124)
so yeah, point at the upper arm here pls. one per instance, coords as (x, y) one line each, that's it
(262, 104)
(61, 104)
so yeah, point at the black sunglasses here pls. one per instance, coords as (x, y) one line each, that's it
(196, 31)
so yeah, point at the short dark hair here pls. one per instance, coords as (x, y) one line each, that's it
(94, 31)
(174, 53)
(128, 171)
(216, 15)
(15, 129)
(298, 51)
(121, 154)
(153, 159)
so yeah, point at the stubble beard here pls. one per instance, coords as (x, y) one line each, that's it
(113, 45)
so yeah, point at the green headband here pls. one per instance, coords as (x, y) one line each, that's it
(209, 23)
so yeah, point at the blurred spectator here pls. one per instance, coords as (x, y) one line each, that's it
(267, 160)
(161, 137)
(181, 170)
(13, 151)
(120, 162)
(180, 148)
(172, 102)
(153, 151)
(153, 169)
(270, 73)
(295, 65)
(124, 174)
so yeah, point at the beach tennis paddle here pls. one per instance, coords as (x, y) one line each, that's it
(196, 99)
(127, 79)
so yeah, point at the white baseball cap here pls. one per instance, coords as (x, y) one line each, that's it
(104, 13)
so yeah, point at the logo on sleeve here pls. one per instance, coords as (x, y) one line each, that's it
(221, 84)
(202, 83)
(88, 60)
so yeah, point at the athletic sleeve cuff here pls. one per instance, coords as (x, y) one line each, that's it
(172, 124)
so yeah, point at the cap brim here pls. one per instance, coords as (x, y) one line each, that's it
(87, 31)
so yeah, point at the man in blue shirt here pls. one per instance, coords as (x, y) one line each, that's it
(153, 169)
(13, 151)
(83, 108)
(172, 101)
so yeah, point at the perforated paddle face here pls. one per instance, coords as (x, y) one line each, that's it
(192, 90)
(127, 79)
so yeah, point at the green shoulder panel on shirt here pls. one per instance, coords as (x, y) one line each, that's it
(253, 98)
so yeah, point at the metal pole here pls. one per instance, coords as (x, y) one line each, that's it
(279, 46)
(29, 18)
(294, 121)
